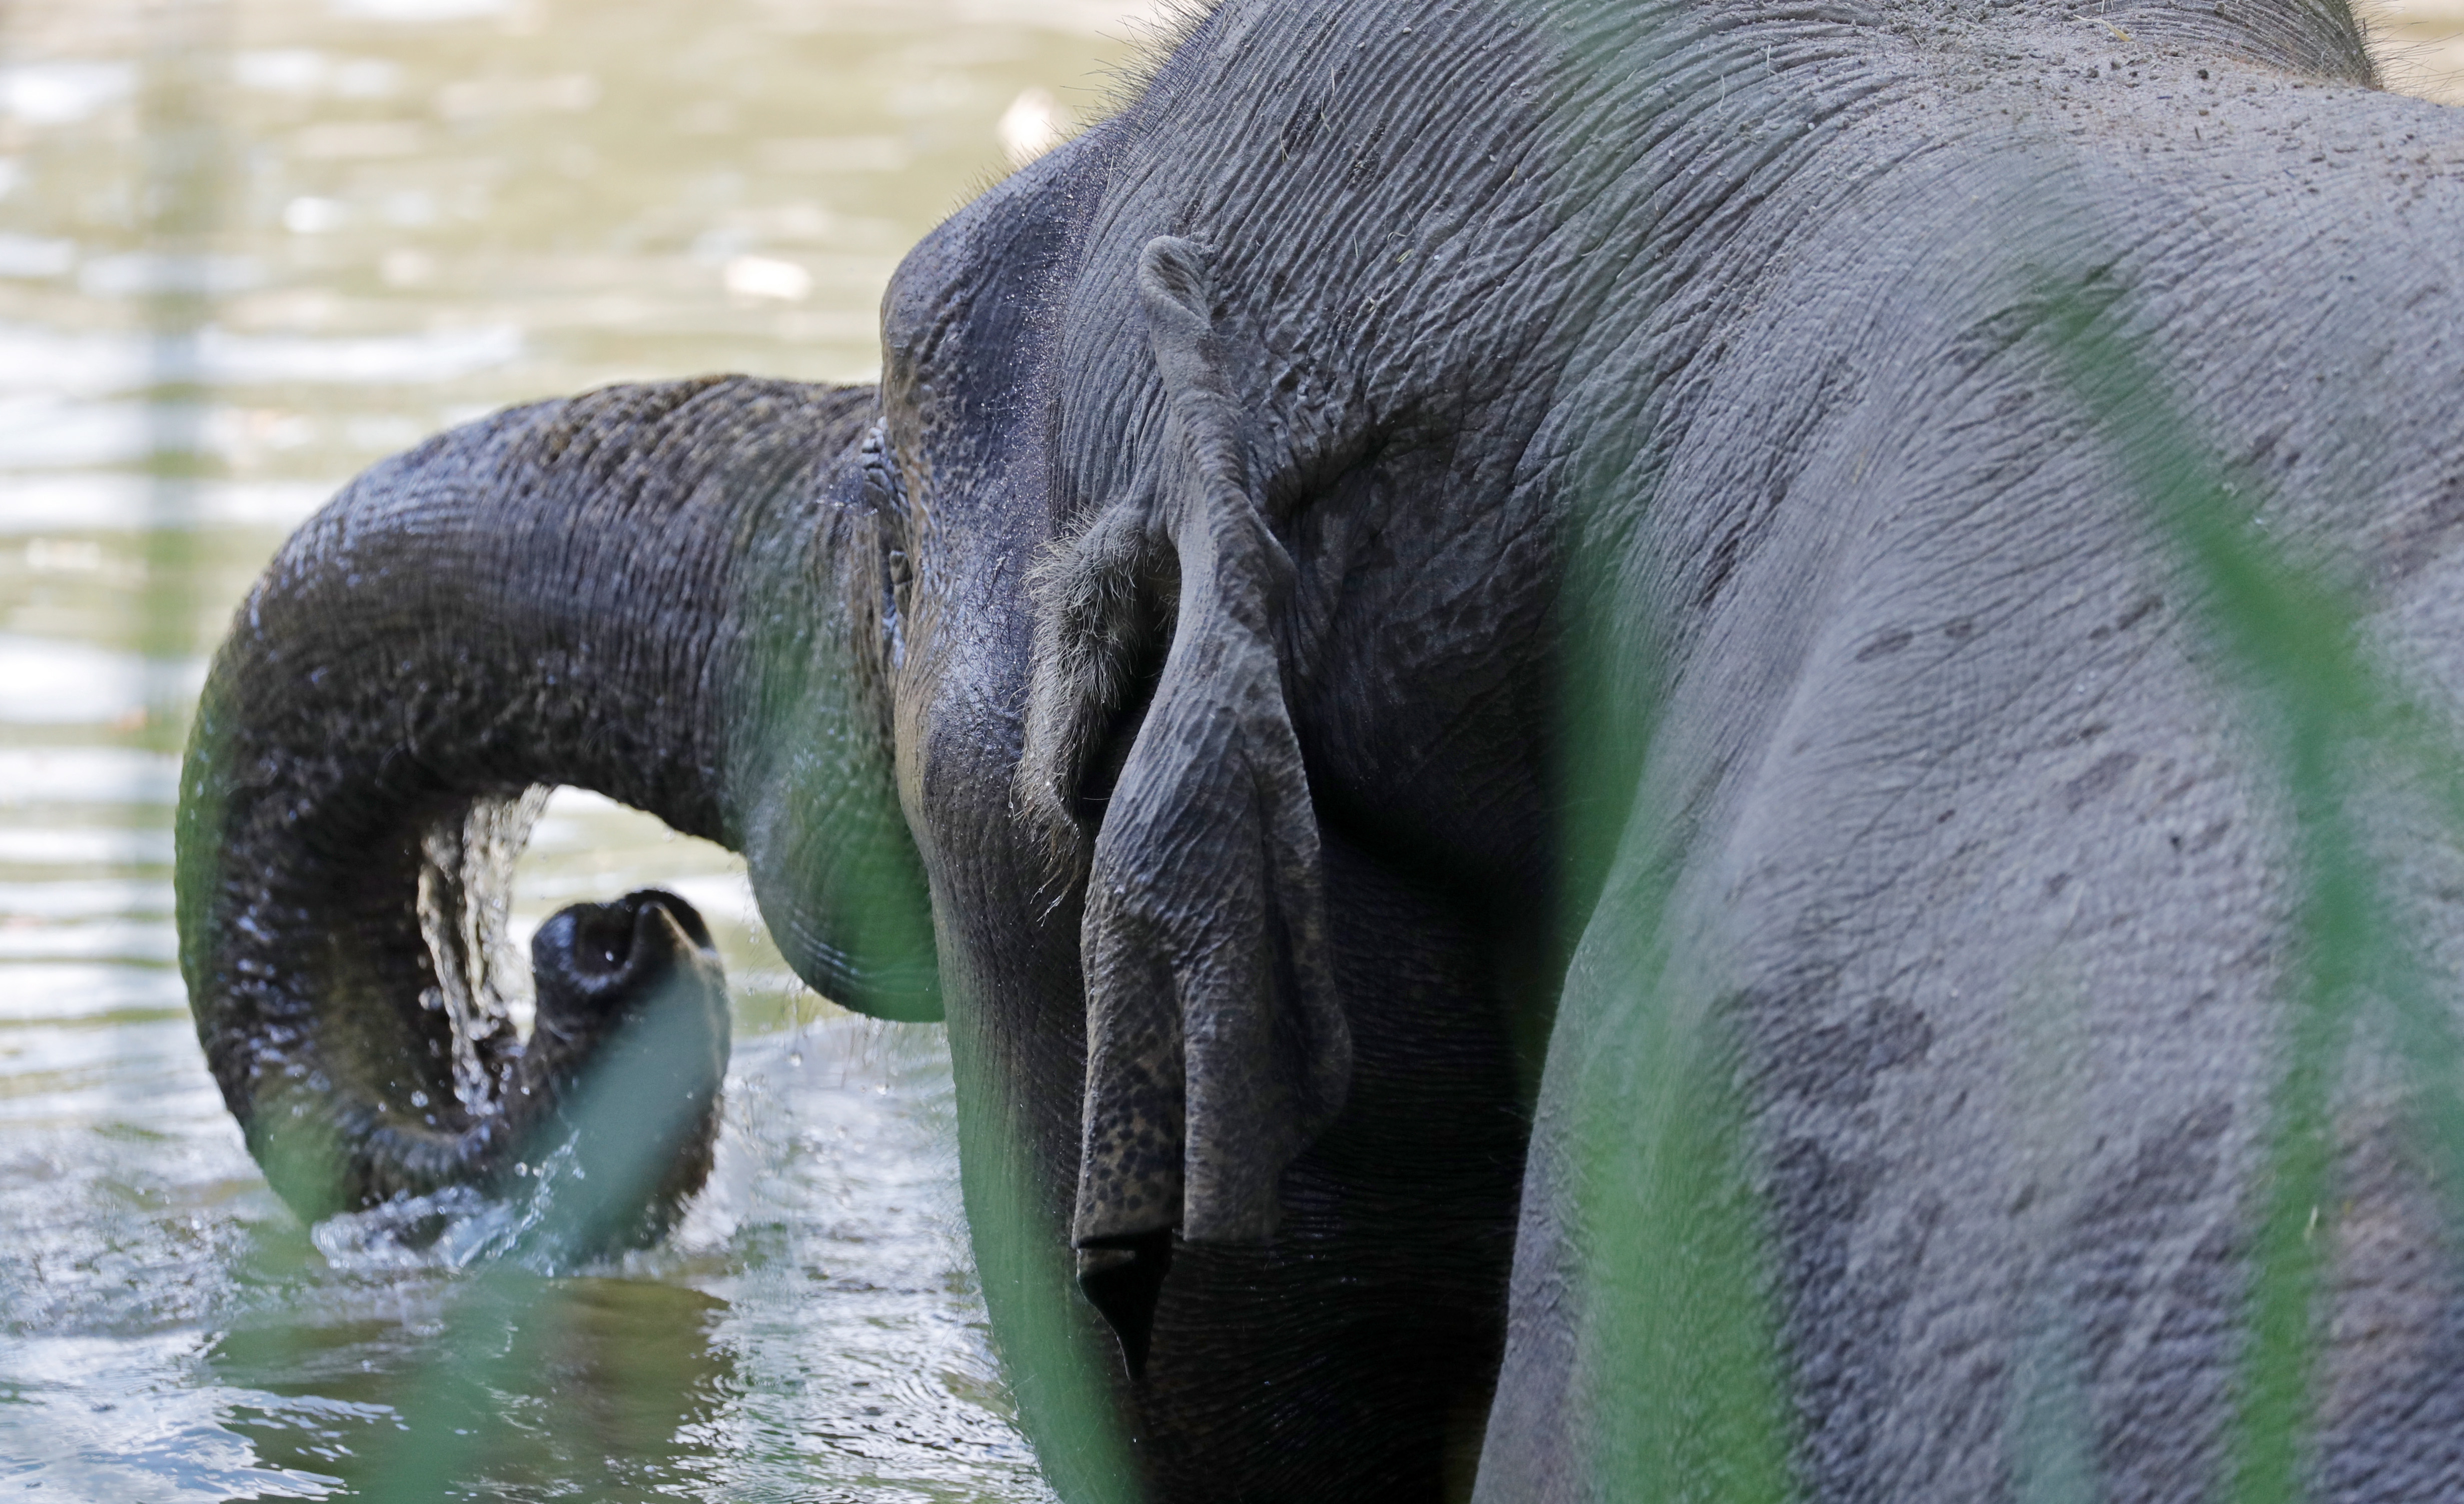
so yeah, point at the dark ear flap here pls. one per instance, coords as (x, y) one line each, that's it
(1216, 1049)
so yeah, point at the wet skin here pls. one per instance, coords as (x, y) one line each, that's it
(1439, 562)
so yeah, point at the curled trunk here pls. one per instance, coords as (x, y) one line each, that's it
(641, 591)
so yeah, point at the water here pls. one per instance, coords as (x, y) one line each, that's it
(245, 248)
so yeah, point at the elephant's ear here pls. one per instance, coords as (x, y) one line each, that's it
(1217, 1049)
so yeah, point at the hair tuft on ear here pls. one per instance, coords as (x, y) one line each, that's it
(1099, 630)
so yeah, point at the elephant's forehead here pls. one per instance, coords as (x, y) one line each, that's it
(964, 345)
(965, 320)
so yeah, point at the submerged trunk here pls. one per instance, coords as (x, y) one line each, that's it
(642, 592)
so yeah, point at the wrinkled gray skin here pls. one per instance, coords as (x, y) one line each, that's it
(1445, 558)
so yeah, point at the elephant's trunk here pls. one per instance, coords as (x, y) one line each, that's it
(616, 593)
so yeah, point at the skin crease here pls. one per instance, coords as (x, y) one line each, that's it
(1720, 646)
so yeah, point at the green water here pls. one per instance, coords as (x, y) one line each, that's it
(245, 248)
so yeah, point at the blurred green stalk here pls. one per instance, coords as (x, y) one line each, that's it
(2317, 704)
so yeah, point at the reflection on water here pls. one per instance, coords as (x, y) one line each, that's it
(245, 248)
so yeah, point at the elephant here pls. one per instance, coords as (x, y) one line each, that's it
(1642, 750)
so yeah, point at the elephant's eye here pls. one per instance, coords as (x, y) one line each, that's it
(883, 493)
(885, 496)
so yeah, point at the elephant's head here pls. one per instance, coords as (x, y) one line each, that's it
(667, 594)
(1241, 844)
(1139, 742)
